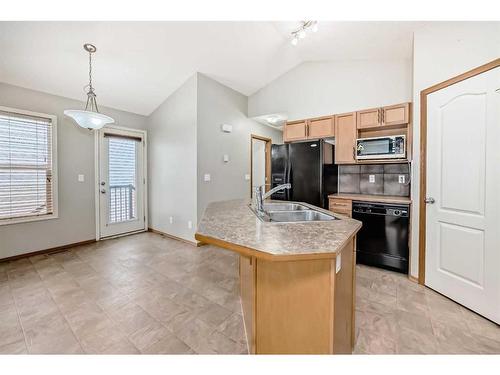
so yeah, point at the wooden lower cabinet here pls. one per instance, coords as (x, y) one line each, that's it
(340, 206)
(301, 306)
(247, 293)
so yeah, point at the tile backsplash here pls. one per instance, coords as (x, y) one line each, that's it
(355, 179)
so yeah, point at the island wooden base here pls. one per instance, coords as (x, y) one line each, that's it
(301, 306)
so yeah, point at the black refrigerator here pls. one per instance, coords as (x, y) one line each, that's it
(309, 167)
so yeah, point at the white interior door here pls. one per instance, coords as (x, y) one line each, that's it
(121, 182)
(463, 178)
(258, 163)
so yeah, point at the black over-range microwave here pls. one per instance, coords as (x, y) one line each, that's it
(390, 147)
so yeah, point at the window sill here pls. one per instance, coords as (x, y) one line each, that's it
(28, 219)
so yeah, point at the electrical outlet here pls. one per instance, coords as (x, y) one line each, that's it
(401, 178)
(190, 224)
(81, 178)
(171, 219)
(371, 179)
(206, 177)
(247, 177)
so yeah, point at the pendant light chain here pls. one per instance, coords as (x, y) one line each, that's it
(90, 71)
(91, 96)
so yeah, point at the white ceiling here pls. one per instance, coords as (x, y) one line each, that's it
(139, 64)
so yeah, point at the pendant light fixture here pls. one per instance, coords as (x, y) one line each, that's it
(89, 118)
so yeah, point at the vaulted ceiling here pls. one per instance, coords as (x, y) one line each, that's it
(139, 64)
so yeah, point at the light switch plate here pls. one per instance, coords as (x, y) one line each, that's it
(206, 177)
(190, 224)
(371, 178)
(171, 219)
(247, 177)
(226, 158)
(401, 178)
(81, 178)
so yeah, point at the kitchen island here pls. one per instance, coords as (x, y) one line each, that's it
(297, 279)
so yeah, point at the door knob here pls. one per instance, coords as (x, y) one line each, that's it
(430, 200)
(103, 183)
(103, 191)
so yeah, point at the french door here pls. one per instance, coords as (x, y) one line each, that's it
(122, 181)
(463, 200)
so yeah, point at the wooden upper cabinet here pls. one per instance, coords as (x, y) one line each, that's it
(396, 114)
(321, 128)
(345, 138)
(368, 118)
(295, 131)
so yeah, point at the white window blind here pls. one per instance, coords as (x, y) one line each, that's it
(122, 178)
(26, 183)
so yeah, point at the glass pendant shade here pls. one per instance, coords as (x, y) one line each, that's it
(88, 119)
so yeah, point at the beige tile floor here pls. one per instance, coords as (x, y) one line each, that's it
(150, 294)
(396, 315)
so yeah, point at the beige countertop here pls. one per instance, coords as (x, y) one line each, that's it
(373, 198)
(232, 225)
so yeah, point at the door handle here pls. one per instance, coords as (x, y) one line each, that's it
(103, 183)
(430, 200)
(103, 191)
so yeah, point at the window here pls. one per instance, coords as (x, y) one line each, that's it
(27, 174)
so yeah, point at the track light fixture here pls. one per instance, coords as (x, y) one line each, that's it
(301, 32)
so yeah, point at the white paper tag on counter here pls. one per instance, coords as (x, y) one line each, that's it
(338, 263)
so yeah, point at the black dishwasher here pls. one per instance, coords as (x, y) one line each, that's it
(383, 239)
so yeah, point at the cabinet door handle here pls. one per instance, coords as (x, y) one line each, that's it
(383, 115)
(354, 152)
(378, 116)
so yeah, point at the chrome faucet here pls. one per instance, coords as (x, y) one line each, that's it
(260, 196)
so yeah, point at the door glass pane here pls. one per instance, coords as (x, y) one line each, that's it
(122, 179)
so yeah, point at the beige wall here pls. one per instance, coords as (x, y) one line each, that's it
(75, 149)
(184, 142)
(217, 105)
(172, 163)
(315, 89)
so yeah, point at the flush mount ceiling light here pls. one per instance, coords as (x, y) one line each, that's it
(89, 118)
(301, 32)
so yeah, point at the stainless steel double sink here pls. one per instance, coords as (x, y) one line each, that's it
(291, 212)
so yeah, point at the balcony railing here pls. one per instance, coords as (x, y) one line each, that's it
(121, 203)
